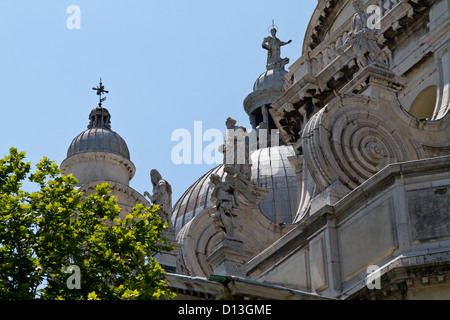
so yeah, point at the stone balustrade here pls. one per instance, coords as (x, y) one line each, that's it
(324, 54)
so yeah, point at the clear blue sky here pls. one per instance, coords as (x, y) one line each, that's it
(165, 63)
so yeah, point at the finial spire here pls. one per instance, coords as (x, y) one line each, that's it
(100, 90)
(272, 27)
(100, 117)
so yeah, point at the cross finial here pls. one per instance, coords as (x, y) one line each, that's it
(100, 90)
(273, 26)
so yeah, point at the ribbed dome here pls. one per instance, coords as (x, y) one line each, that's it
(99, 139)
(271, 79)
(270, 169)
(99, 136)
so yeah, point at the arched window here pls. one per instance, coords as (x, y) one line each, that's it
(424, 104)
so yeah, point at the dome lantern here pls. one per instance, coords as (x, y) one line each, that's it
(99, 118)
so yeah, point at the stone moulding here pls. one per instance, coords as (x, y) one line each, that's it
(367, 199)
(135, 196)
(98, 156)
(259, 98)
(411, 270)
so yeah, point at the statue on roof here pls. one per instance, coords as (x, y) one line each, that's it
(236, 148)
(273, 45)
(162, 195)
(364, 39)
(226, 204)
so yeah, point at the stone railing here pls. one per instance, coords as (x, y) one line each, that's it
(387, 5)
(325, 56)
(326, 52)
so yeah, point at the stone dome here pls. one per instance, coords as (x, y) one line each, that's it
(270, 169)
(99, 136)
(99, 139)
(271, 79)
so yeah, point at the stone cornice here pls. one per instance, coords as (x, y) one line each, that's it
(329, 216)
(99, 156)
(259, 98)
(385, 178)
(410, 270)
(136, 197)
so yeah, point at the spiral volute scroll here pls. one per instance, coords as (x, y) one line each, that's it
(350, 140)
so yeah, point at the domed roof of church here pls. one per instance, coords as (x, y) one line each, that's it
(99, 139)
(270, 169)
(271, 79)
(99, 136)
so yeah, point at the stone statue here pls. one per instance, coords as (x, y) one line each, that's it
(273, 45)
(243, 186)
(364, 40)
(162, 195)
(236, 143)
(226, 204)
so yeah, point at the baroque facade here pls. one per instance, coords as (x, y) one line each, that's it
(350, 201)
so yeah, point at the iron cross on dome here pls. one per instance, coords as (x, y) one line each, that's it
(100, 90)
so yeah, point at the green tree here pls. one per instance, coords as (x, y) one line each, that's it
(56, 243)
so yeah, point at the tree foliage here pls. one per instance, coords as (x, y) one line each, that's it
(47, 234)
